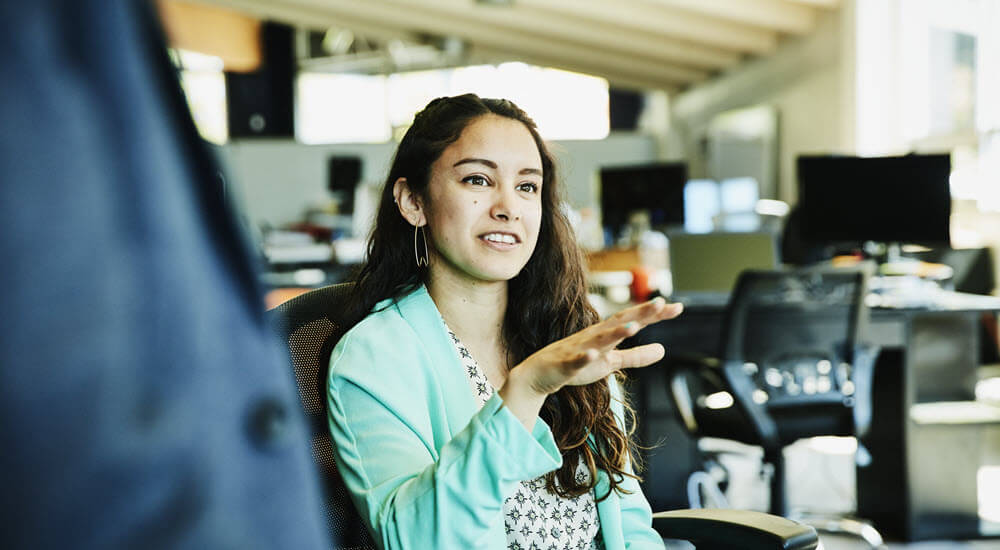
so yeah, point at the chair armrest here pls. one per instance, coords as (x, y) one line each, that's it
(744, 529)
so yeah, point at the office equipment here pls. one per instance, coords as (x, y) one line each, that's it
(261, 103)
(928, 430)
(739, 195)
(791, 366)
(739, 198)
(343, 175)
(702, 203)
(928, 355)
(885, 199)
(310, 325)
(704, 267)
(656, 188)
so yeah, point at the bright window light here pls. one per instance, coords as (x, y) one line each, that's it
(341, 108)
(542, 93)
(482, 80)
(407, 93)
(204, 87)
(564, 105)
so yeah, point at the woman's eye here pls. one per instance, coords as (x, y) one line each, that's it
(476, 180)
(528, 186)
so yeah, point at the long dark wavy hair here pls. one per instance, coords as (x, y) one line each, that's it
(546, 301)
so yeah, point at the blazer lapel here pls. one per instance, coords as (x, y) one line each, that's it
(419, 311)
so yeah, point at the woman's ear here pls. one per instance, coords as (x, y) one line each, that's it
(408, 203)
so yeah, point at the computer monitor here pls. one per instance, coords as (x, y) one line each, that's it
(882, 199)
(657, 188)
(343, 175)
(739, 204)
(702, 203)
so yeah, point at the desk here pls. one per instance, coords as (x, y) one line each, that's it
(929, 355)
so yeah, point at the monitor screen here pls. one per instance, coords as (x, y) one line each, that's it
(343, 175)
(656, 188)
(883, 199)
(702, 204)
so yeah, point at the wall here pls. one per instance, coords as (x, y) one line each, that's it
(276, 180)
(810, 82)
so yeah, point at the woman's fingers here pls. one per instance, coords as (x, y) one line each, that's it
(609, 336)
(610, 332)
(639, 356)
(589, 355)
(649, 312)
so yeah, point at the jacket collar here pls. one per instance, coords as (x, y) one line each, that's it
(419, 311)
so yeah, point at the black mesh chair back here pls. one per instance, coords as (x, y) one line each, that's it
(789, 344)
(310, 324)
(791, 362)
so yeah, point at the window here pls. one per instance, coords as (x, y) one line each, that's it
(952, 94)
(204, 87)
(342, 108)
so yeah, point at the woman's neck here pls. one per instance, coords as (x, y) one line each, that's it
(473, 309)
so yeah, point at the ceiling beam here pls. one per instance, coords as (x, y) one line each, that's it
(827, 4)
(588, 33)
(517, 44)
(698, 29)
(500, 29)
(766, 14)
(615, 79)
(545, 53)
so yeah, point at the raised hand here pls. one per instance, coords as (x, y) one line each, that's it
(590, 355)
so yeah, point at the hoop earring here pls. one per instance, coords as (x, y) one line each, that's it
(422, 261)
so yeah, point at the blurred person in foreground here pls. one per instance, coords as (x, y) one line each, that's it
(142, 401)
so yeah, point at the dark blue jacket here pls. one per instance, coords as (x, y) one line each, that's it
(142, 402)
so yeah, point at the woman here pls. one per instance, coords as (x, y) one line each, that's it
(476, 405)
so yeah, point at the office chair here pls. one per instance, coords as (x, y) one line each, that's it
(310, 325)
(791, 367)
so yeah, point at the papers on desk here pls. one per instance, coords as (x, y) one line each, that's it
(297, 254)
(932, 299)
(918, 293)
(955, 412)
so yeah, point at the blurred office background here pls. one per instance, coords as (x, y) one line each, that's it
(678, 124)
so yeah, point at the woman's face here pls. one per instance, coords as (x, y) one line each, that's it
(485, 204)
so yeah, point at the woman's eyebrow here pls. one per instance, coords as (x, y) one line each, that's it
(493, 165)
(489, 163)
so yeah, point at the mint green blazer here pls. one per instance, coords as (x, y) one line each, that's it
(427, 468)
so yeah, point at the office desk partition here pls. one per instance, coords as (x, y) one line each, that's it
(922, 480)
(908, 490)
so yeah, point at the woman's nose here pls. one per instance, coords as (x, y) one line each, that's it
(505, 206)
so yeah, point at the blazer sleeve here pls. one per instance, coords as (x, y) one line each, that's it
(636, 515)
(414, 485)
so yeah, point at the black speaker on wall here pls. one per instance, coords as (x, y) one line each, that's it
(261, 103)
(624, 108)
